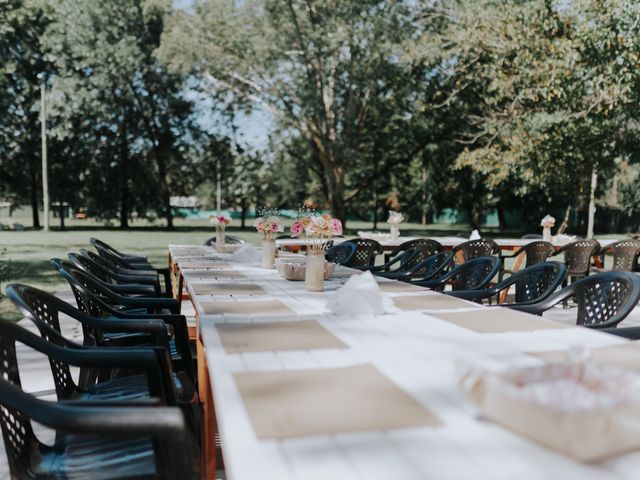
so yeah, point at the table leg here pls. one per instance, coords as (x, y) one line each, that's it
(209, 424)
(516, 267)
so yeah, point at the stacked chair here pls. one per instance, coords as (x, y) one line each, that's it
(134, 411)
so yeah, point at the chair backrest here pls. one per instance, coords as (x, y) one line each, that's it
(537, 252)
(482, 247)
(19, 439)
(341, 253)
(423, 247)
(577, 256)
(435, 265)
(91, 297)
(105, 246)
(538, 281)
(115, 260)
(475, 274)
(10, 333)
(605, 299)
(93, 268)
(44, 310)
(625, 254)
(366, 251)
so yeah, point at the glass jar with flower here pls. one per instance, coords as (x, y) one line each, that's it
(220, 222)
(395, 219)
(318, 230)
(268, 223)
(547, 224)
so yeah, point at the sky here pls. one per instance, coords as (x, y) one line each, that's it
(252, 130)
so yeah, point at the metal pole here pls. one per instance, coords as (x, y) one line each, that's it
(45, 169)
(592, 202)
(218, 193)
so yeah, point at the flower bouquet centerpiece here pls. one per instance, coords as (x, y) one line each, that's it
(318, 230)
(395, 219)
(547, 223)
(220, 222)
(268, 223)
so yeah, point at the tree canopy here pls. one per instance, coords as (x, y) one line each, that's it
(474, 105)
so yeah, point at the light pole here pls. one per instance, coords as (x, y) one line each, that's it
(43, 134)
(218, 191)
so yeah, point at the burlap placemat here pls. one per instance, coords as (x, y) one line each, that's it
(498, 320)
(276, 336)
(297, 403)
(260, 307)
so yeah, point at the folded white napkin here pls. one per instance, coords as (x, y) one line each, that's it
(246, 254)
(475, 235)
(360, 295)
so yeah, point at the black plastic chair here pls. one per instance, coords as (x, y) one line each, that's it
(425, 246)
(422, 270)
(535, 252)
(604, 299)
(230, 239)
(143, 277)
(126, 267)
(472, 275)
(156, 381)
(577, 257)
(429, 269)
(114, 442)
(123, 284)
(625, 255)
(95, 300)
(402, 262)
(44, 310)
(366, 252)
(341, 254)
(482, 247)
(129, 257)
(120, 298)
(532, 284)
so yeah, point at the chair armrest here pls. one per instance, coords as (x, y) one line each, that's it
(152, 360)
(155, 327)
(632, 333)
(170, 304)
(537, 308)
(474, 294)
(129, 289)
(513, 255)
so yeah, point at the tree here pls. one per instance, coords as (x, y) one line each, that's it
(318, 67)
(21, 61)
(556, 82)
(119, 108)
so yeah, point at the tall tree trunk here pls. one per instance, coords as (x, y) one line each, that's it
(474, 217)
(164, 187)
(502, 220)
(61, 213)
(124, 171)
(334, 180)
(34, 199)
(243, 212)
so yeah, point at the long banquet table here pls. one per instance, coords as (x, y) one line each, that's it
(418, 350)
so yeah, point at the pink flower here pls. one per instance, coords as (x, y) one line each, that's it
(336, 226)
(296, 229)
(274, 227)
